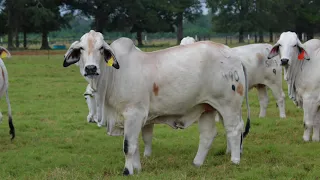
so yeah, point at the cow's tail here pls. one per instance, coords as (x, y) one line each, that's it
(6, 81)
(247, 128)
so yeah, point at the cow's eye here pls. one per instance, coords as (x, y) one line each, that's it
(101, 48)
(81, 48)
(295, 46)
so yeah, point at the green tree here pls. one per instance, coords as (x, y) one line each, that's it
(45, 17)
(183, 10)
(231, 16)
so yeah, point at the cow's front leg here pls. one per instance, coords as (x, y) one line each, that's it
(207, 131)
(99, 109)
(263, 99)
(315, 135)
(147, 132)
(132, 127)
(234, 126)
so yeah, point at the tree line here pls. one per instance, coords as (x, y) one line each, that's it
(138, 16)
(258, 16)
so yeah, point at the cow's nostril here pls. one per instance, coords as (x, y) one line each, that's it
(91, 70)
(284, 61)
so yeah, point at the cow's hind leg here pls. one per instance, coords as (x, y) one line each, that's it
(316, 127)
(309, 110)
(233, 124)
(132, 127)
(279, 95)
(147, 132)
(263, 99)
(207, 133)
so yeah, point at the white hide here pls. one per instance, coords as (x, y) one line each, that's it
(4, 85)
(302, 77)
(187, 40)
(262, 73)
(176, 86)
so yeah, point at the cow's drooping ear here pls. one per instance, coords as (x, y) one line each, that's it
(73, 54)
(4, 52)
(274, 51)
(302, 52)
(109, 56)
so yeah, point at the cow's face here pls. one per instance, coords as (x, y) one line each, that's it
(289, 48)
(91, 53)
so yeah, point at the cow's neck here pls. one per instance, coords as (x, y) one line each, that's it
(293, 74)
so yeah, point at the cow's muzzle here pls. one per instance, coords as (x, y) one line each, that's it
(284, 62)
(91, 70)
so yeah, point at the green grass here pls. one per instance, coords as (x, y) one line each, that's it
(54, 141)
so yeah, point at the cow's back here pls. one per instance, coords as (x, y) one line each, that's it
(259, 67)
(186, 75)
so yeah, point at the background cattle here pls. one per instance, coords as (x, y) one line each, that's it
(302, 63)
(187, 40)
(4, 85)
(262, 73)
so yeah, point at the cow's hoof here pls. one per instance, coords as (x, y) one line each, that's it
(196, 164)
(315, 139)
(306, 138)
(282, 116)
(235, 161)
(126, 172)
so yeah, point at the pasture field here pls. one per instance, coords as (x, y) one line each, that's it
(54, 141)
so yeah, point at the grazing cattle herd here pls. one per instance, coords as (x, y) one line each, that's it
(130, 90)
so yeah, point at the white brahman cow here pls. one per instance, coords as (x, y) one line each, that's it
(262, 72)
(175, 86)
(4, 85)
(302, 62)
(187, 40)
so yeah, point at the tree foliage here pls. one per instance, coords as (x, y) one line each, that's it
(266, 15)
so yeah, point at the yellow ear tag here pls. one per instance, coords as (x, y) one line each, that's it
(110, 61)
(3, 54)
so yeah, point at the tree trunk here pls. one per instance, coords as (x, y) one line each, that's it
(255, 37)
(10, 26)
(270, 35)
(99, 25)
(17, 37)
(261, 40)
(299, 35)
(241, 39)
(25, 39)
(98, 20)
(139, 38)
(179, 28)
(310, 35)
(45, 43)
